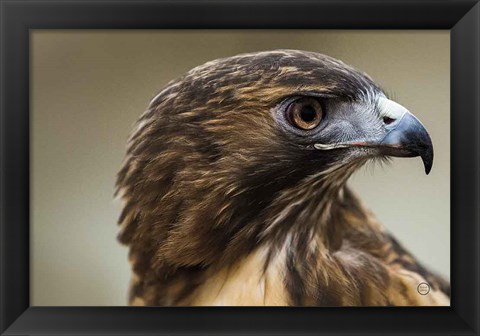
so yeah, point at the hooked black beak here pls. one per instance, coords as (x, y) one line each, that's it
(401, 135)
(407, 137)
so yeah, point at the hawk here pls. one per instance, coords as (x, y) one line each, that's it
(235, 188)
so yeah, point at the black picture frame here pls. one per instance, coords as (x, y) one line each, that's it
(18, 17)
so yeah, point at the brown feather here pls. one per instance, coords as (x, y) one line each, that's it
(220, 208)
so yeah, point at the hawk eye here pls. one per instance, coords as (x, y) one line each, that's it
(305, 113)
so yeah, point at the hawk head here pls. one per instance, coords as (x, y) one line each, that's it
(253, 149)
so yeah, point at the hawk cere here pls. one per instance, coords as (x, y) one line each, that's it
(234, 188)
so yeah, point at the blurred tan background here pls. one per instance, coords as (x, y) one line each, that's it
(88, 88)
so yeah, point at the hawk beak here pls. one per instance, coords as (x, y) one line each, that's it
(406, 136)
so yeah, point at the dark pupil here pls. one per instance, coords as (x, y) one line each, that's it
(307, 113)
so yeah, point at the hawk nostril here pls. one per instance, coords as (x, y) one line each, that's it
(388, 120)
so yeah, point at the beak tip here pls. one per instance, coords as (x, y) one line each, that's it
(427, 159)
(428, 168)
